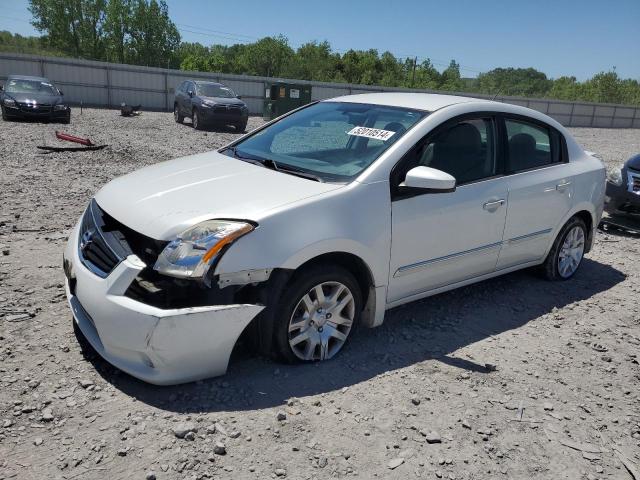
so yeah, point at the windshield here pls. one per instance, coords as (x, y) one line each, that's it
(213, 90)
(30, 86)
(334, 141)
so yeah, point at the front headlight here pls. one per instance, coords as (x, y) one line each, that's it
(191, 254)
(59, 107)
(614, 175)
(9, 102)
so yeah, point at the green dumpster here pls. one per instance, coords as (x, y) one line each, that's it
(281, 97)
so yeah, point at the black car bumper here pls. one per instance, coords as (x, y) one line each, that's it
(621, 199)
(43, 113)
(224, 116)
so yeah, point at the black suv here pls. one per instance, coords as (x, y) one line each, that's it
(209, 103)
(32, 97)
(623, 189)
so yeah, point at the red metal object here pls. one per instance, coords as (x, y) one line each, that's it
(72, 138)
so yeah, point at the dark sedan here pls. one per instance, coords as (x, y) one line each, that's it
(33, 97)
(209, 103)
(623, 189)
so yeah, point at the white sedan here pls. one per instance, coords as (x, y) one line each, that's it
(321, 220)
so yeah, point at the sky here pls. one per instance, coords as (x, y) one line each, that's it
(563, 37)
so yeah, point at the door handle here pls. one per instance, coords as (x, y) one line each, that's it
(493, 204)
(563, 185)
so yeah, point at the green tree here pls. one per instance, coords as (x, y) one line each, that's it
(450, 78)
(527, 82)
(313, 61)
(566, 88)
(154, 37)
(117, 15)
(604, 87)
(269, 57)
(72, 26)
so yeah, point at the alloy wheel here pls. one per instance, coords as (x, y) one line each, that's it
(321, 321)
(571, 252)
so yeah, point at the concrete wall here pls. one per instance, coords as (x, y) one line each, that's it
(104, 84)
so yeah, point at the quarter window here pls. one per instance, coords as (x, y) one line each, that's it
(530, 146)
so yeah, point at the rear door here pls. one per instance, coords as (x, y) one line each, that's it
(540, 189)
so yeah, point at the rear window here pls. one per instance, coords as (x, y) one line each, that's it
(531, 145)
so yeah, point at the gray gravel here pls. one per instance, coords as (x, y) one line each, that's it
(510, 378)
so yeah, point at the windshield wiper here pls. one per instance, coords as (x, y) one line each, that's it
(252, 159)
(268, 163)
(294, 171)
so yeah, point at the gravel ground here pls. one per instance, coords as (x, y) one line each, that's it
(512, 378)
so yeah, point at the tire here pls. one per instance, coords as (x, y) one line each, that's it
(563, 260)
(176, 114)
(240, 128)
(195, 120)
(322, 338)
(4, 116)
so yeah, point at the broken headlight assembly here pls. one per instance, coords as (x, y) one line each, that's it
(614, 175)
(192, 253)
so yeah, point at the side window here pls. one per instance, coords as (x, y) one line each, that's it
(181, 87)
(466, 150)
(530, 146)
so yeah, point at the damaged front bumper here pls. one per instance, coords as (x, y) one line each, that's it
(159, 346)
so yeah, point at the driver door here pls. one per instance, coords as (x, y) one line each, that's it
(439, 239)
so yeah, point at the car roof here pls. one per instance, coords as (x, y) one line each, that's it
(27, 77)
(208, 82)
(421, 101)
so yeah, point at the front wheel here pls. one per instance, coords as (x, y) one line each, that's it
(316, 314)
(195, 119)
(176, 114)
(4, 115)
(241, 127)
(567, 251)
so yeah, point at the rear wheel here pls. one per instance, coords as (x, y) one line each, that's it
(195, 120)
(316, 314)
(567, 251)
(176, 114)
(241, 127)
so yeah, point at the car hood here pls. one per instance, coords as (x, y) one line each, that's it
(37, 97)
(634, 162)
(224, 101)
(163, 200)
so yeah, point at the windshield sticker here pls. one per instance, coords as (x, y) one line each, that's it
(376, 133)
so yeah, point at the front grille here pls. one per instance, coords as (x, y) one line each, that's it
(34, 108)
(104, 242)
(228, 109)
(634, 182)
(98, 254)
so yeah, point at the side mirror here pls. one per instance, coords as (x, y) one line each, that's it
(429, 179)
(190, 93)
(61, 93)
(238, 97)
